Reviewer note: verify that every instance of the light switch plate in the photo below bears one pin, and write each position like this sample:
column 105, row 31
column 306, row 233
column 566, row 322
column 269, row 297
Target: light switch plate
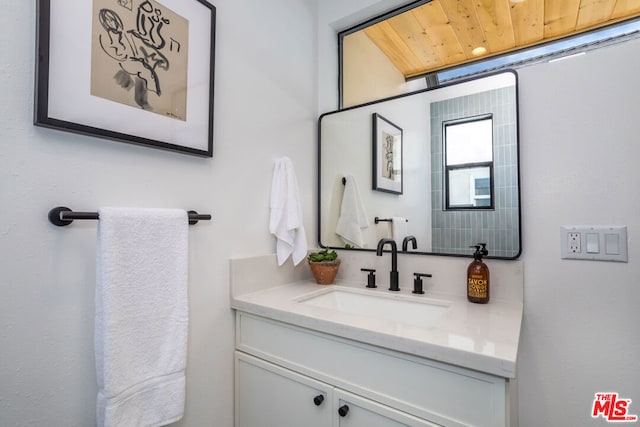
column 594, row 242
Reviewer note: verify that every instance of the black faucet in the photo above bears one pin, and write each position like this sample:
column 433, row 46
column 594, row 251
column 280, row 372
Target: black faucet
column 405, row 243
column 393, row 275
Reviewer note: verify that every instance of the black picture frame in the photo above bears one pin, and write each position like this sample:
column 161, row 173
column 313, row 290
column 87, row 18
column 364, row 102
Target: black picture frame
column 63, row 99
column 387, row 158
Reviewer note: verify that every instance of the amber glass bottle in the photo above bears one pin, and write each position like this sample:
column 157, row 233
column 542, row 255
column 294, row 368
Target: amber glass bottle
column 478, row 276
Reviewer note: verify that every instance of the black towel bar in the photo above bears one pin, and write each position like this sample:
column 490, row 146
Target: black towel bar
column 377, row 220
column 62, row 216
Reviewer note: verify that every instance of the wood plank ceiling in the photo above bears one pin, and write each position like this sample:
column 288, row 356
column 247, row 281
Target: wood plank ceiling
column 443, row 33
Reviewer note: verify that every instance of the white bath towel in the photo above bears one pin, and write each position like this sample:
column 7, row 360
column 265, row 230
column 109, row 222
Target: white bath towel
column 141, row 316
column 286, row 221
column 353, row 217
column 398, row 228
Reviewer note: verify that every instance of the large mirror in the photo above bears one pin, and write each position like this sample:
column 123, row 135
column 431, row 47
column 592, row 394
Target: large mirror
column 439, row 165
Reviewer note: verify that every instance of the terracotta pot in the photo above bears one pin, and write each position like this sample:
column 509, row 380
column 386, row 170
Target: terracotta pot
column 325, row 272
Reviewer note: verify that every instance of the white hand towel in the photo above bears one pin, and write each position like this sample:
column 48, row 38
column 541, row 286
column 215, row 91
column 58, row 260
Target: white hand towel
column 141, row 316
column 353, row 217
column 398, row 228
column 286, row 214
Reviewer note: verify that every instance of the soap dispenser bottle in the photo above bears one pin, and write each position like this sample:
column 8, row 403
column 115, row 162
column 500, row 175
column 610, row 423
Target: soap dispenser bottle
column 478, row 276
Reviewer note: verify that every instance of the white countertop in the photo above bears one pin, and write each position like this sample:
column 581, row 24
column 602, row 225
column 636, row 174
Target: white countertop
column 483, row 337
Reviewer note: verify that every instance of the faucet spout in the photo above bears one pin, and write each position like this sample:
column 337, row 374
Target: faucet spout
column 405, row 243
column 393, row 274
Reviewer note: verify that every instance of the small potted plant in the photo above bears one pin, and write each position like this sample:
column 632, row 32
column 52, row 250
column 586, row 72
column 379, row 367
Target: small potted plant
column 324, row 266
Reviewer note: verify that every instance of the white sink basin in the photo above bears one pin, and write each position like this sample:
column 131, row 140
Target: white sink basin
column 415, row 311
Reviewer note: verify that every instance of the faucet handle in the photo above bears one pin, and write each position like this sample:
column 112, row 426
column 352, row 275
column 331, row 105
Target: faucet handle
column 371, row 277
column 417, row 282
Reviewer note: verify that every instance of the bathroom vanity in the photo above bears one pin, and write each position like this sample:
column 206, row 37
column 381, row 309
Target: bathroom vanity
column 343, row 355
column 346, row 355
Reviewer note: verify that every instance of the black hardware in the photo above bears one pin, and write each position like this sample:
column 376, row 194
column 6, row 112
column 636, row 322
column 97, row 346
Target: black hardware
column 318, row 400
column 62, row 216
column 377, row 220
column 481, row 250
column 343, row 410
column 371, row 277
column 417, row 282
column 393, row 274
column 406, row 240
column 344, row 181
column 320, row 190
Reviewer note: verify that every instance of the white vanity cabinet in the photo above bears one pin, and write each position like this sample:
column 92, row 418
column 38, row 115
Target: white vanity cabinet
column 282, row 368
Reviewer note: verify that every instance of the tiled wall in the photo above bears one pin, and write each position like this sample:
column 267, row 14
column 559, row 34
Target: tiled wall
column 455, row 231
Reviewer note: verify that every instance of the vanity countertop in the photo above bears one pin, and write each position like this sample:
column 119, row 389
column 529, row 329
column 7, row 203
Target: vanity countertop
column 483, row 337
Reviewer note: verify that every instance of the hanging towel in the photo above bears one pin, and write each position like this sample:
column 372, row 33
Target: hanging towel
column 286, row 214
column 141, row 316
column 398, row 228
column 353, row 217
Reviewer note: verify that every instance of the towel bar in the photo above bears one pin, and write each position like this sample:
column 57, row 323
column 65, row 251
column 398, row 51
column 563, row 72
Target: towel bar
column 62, row 216
column 377, row 220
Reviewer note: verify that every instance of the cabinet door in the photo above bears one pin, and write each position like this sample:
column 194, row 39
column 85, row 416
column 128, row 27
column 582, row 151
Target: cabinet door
column 356, row 411
column 270, row 396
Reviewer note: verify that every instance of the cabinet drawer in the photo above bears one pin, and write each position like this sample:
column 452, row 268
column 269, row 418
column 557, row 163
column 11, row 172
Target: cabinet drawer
column 435, row 391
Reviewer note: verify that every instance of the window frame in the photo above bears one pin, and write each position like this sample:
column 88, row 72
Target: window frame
column 472, row 165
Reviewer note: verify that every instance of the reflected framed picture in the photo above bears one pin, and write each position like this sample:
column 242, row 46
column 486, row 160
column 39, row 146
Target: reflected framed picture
column 135, row 71
column 387, row 155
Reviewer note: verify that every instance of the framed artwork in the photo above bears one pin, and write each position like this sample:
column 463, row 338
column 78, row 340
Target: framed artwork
column 387, row 155
column 136, row 71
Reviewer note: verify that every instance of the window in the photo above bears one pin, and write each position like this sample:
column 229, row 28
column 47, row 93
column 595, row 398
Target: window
column 428, row 42
column 468, row 163
column 481, row 191
column 547, row 52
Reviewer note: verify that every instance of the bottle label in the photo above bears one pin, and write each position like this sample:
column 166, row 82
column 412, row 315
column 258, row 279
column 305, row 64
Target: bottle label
column 477, row 286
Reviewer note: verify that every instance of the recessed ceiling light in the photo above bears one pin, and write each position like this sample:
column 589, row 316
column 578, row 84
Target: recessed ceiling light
column 517, row 1
column 480, row 50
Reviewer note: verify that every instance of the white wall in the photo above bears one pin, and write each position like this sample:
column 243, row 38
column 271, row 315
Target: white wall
column 579, row 146
column 265, row 107
column 579, row 165
column 368, row 74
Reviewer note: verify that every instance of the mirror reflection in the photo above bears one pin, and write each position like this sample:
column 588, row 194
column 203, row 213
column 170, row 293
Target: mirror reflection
column 468, row 163
column 458, row 170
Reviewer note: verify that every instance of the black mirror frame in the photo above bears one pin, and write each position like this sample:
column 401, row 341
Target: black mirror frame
column 517, row 117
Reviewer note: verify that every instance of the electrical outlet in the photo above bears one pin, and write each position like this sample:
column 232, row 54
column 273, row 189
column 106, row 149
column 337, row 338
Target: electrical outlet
column 594, row 243
column 574, row 242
